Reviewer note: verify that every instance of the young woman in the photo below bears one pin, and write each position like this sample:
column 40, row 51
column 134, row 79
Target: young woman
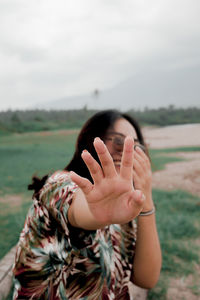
column 79, row 240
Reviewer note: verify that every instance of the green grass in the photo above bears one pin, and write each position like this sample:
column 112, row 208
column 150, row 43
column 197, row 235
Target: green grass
column 21, row 156
column 178, row 222
column 12, row 219
column 178, row 149
column 159, row 157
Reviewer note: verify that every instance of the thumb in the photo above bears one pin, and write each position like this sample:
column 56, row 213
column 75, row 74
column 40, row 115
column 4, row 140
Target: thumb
column 138, row 198
column 83, row 183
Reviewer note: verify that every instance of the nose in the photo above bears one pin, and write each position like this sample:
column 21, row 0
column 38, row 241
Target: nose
column 118, row 144
column 119, row 147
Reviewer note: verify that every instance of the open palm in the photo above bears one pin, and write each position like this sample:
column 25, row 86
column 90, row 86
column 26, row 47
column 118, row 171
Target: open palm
column 112, row 198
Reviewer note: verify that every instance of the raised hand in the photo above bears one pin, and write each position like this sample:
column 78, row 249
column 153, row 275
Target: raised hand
column 112, row 198
column 142, row 176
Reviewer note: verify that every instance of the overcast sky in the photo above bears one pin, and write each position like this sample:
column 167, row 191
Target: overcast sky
column 54, row 49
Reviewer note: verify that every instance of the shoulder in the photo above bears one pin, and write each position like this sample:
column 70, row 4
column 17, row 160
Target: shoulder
column 59, row 184
column 59, row 176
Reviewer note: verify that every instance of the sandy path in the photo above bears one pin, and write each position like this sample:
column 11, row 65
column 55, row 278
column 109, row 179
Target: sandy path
column 183, row 175
column 173, row 136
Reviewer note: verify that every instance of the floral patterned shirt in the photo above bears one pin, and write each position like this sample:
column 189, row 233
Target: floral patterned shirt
column 57, row 261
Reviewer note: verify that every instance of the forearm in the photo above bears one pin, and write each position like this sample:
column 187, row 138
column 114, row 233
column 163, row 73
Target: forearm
column 79, row 214
column 147, row 261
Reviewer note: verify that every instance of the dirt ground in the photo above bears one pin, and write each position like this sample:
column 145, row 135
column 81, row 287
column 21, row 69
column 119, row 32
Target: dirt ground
column 173, row 136
column 183, row 175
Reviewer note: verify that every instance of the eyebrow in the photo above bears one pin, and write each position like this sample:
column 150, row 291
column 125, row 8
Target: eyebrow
column 114, row 132
column 121, row 134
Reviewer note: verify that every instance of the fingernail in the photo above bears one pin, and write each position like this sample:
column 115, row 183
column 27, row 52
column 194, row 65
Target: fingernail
column 85, row 151
column 138, row 148
column 98, row 139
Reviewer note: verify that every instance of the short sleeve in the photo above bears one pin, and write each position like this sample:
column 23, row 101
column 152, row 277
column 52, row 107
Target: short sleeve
column 58, row 201
column 49, row 246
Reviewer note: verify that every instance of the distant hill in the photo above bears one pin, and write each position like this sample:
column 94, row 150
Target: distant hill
column 149, row 88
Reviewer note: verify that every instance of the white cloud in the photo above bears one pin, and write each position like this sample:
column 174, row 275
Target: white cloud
column 54, row 49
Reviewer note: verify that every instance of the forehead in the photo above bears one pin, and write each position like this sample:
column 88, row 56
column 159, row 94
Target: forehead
column 124, row 127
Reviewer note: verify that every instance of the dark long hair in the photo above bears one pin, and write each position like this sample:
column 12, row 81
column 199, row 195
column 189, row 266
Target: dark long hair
column 96, row 126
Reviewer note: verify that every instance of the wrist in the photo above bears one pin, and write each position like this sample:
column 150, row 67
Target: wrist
column 147, row 212
column 70, row 216
column 79, row 214
column 148, row 204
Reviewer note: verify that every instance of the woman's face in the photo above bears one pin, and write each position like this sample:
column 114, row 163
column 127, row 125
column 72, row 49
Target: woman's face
column 115, row 138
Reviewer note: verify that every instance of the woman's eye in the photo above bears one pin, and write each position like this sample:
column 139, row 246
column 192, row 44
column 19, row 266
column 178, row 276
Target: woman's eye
column 118, row 141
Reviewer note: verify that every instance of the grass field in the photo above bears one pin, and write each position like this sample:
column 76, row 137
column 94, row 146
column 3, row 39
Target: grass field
column 33, row 153
column 178, row 227
column 37, row 153
column 22, row 155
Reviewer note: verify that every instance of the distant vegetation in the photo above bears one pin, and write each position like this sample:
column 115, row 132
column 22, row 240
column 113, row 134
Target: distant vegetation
column 40, row 120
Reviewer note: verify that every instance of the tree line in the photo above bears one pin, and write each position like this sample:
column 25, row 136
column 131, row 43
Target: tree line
column 20, row 121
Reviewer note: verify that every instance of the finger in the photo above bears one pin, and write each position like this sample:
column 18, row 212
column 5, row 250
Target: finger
column 126, row 169
column 105, row 158
column 142, row 154
column 142, row 147
column 85, row 185
column 136, row 180
column 142, row 158
column 138, row 198
column 93, row 166
column 138, row 167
